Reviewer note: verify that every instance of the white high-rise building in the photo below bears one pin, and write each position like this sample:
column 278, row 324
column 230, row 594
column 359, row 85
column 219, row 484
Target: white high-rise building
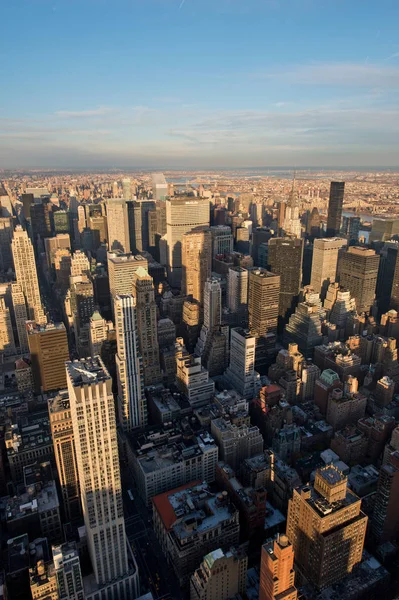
column 159, row 186
column 127, row 188
column 25, row 270
column 324, row 263
column 241, row 372
column 67, row 572
column 132, row 404
column 237, row 291
column 212, row 303
column 21, row 316
column 118, row 225
column 94, row 430
column 182, row 215
column 292, row 222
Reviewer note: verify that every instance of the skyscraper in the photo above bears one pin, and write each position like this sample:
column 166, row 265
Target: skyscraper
column 385, row 519
column 5, row 242
column 263, row 307
column 394, row 303
column 146, row 323
column 358, row 273
column 132, row 404
column 182, row 215
column 7, row 343
column 65, row 453
column 48, row 347
column 285, row 259
column 292, row 222
column 127, row 188
column 212, row 303
column 94, row 429
column 118, row 225
column 196, row 262
column 159, row 186
column 277, row 573
column 121, row 270
column 21, row 316
column 241, row 372
column 325, row 261
column 326, row 528
column 335, row 204
column 237, row 291
column 25, row 270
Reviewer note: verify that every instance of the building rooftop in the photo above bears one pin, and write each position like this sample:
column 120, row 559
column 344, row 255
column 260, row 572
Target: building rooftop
column 87, row 371
column 197, row 510
column 31, row 431
column 36, row 498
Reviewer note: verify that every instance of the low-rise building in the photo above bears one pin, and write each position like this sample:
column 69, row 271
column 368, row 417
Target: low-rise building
column 236, row 443
column 190, row 522
column 220, row 576
column 167, row 458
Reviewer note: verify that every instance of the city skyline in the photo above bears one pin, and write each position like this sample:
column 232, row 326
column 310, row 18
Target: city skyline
column 200, row 84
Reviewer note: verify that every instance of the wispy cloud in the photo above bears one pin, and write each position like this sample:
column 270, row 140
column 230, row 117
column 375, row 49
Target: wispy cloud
column 336, row 74
column 100, row 111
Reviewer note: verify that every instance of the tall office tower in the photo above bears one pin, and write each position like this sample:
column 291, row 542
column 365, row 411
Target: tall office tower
column 263, row 308
column 21, row 316
column 41, row 219
column 326, row 527
column 121, row 270
column 67, row 572
column 196, row 263
column 385, row 519
column 304, row 328
column 394, row 302
column 61, row 221
column 241, row 372
column 80, row 264
column 324, row 263
column 98, row 333
column 285, row 259
column 292, row 222
column 82, row 222
column 6, row 228
column 277, row 573
column 282, row 207
column 313, row 224
column 7, row 342
column 127, row 188
column 138, row 223
column 48, row 347
column 182, row 215
column 256, row 211
column 97, row 224
column 220, row 576
column 132, row 406
column 388, row 257
column 358, row 273
column 65, row 453
column 94, row 430
column 118, row 225
column 260, row 235
column 146, row 323
column 384, row 229
column 25, row 271
column 159, row 186
column 52, row 244
column 335, row 204
column 237, row 291
column 350, row 228
column 222, row 239
column 212, row 304
column 115, row 189
column 62, row 268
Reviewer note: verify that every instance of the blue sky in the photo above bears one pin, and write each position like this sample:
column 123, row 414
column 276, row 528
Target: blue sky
column 199, row 83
